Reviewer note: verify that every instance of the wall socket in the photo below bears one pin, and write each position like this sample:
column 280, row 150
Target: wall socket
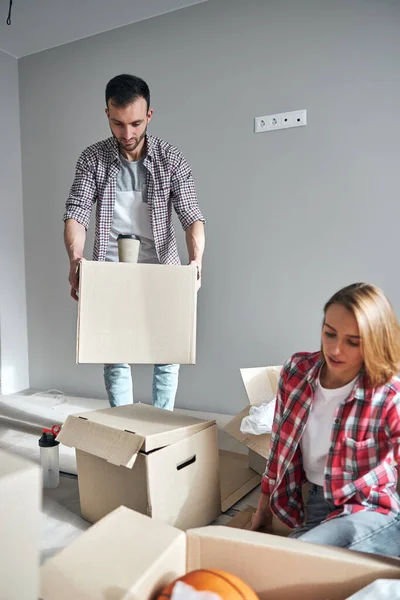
column 296, row 118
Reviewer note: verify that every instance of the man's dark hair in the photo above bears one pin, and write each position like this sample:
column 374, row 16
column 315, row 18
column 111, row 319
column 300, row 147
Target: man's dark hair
column 125, row 89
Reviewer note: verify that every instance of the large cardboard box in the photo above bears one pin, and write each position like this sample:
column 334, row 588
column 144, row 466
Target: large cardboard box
column 261, row 385
column 128, row 556
column 20, row 503
column 158, row 462
column 136, row 313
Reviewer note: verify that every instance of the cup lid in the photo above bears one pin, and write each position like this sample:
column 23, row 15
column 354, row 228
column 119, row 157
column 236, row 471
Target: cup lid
column 128, row 236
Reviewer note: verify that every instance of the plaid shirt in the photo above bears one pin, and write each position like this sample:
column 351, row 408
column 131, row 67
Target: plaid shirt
column 169, row 183
column 360, row 471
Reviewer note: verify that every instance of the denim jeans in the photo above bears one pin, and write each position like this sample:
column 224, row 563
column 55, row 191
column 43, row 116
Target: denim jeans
column 118, row 381
column 365, row 531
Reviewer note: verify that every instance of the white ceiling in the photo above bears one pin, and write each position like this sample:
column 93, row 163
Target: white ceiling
column 41, row 24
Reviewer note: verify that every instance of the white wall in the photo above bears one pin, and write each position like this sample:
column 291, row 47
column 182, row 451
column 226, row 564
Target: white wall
column 291, row 216
column 14, row 372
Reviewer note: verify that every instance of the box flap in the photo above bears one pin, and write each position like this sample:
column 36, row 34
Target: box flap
column 289, row 568
column 117, row 447
column 117, row 434
column 236, row 479
column 125, row 555
column 260, row 384
column 242, row 520
column 258, row 443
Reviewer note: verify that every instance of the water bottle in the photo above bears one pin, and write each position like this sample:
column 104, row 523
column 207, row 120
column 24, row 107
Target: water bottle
column 49, row 457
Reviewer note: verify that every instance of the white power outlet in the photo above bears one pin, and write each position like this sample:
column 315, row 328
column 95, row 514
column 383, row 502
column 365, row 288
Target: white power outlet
column 297, row 118
column 268, row 123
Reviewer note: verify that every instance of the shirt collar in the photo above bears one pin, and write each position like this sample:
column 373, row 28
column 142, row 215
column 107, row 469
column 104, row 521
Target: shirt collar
column 149, row 148
column 313, row 373
column 359, row 387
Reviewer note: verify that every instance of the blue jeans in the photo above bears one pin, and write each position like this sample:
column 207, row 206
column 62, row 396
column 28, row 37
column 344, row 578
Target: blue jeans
column 365, row 531
column 118, row 381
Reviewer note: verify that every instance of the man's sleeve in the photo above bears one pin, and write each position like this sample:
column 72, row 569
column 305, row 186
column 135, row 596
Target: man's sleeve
column 83, row 192
column 183, row 195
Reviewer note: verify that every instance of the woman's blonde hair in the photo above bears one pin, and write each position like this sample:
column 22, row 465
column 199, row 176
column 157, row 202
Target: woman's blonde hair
column 379, row 329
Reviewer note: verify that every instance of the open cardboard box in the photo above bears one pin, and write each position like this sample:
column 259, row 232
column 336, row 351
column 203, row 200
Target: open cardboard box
column 136, row 313
column 157, row 462
column 243, row 521
column 20, row 520
column 236, row 479
column 261, row 385
column 128, row 556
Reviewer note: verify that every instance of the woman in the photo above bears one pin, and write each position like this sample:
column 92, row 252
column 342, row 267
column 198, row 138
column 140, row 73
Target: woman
column 337, row 426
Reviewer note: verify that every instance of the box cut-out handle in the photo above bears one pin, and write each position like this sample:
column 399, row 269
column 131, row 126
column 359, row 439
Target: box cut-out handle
column 186, row 463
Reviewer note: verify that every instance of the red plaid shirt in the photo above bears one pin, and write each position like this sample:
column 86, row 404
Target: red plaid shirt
column 169, row 183
column 360, row 471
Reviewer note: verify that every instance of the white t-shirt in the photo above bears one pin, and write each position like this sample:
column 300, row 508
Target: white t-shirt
column 316, row 438
column 131, row 211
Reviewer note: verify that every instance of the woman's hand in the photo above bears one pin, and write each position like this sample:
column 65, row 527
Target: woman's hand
column 262, row 518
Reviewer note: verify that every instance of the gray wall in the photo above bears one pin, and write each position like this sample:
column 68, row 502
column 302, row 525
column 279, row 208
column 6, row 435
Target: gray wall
column 292, row 215
column 14, row 372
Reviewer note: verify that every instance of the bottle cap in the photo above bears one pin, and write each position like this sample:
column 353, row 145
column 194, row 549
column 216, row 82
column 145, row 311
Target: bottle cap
column 48, row 438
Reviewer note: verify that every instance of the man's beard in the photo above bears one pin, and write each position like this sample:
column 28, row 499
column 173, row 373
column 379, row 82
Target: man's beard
column 141, row 138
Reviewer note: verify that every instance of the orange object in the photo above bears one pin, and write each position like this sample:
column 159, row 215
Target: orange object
column 228, row 586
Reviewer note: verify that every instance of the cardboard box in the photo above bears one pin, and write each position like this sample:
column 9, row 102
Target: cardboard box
column 158, row 462
column 381, row 589
column 257, row 462
column 20, row 504
column 128, row 556
column 237, row 480
column 243, row 521
column 260, row 384
column 136, row 313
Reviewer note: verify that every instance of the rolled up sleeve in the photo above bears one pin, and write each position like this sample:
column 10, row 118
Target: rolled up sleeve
column 269, row 478
column 83, row 193
column 183, row 195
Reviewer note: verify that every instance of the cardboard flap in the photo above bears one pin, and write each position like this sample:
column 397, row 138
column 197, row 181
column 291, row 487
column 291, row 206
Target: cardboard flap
column 146, row 555
column 117, row 447
column 294, row 547
column 258, row 443
column 236, row 479
column 261, row 384
column 289, row 568
column 131, row 428
column 242, row 520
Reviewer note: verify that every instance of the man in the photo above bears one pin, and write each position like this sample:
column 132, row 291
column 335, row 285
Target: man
column 135, row 179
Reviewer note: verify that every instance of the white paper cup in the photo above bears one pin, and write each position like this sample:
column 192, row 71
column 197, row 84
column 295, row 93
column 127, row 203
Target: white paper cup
column 128, row 248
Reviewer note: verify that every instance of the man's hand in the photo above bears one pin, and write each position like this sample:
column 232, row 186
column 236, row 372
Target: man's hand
column 195, row 244
column 74, row 276
column 262, row 518
column 198, row 265
column 74, row 239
